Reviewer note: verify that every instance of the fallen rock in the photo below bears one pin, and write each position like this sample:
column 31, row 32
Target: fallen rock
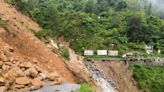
column 3, row 57
column 1, row 63
column 26, row 65
column 8, row 49
column 19, row 86
column 52, row 76
column 8, row 63
column 32, row 88
column 42, row 76
column 57, row 90
column 58, row 81
column 36, row 82
column 22, row 80
column 2, row 81
column 31, row 72
column 38, row 69
column 13, row 73
column 5, row 67
column 2, row 88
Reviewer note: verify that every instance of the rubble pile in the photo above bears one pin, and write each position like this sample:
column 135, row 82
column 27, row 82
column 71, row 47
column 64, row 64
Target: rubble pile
column 18, row 74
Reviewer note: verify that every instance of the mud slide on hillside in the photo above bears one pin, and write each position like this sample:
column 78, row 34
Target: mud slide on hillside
column 116, row 73
column 19, row 36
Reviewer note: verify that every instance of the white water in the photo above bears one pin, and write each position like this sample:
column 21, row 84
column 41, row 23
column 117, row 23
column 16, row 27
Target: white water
column 103, row 84
column 100, row 81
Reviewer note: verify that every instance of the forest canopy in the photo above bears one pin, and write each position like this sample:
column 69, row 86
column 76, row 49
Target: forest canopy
column 96, row 24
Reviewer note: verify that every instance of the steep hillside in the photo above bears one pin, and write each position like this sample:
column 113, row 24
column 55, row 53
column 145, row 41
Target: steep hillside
column 17, row 34
column 116, row 73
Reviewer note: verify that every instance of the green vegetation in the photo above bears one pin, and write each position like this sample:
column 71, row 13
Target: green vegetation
column 85, row 88
column 149, row 78
column 3, row 24
column 96, row 24
column 64, row 52
column 102, row 24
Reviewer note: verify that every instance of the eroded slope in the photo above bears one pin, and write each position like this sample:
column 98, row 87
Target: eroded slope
column 18, row 35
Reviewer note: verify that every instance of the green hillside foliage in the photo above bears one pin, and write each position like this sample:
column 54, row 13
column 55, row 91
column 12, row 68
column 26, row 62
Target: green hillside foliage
column 102, row 24
column 149, row 78
column 96, row 24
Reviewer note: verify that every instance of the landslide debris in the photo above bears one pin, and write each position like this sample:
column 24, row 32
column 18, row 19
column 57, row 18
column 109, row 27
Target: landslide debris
column 25, row 61
column 17, row 73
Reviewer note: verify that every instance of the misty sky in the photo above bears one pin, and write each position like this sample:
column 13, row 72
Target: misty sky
column 157, row 6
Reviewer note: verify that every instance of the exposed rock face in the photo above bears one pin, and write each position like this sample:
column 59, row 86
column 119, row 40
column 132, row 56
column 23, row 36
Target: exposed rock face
column 116, row 73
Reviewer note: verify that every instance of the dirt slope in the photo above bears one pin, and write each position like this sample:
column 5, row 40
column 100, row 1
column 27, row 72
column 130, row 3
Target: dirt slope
column 26, row 45
column 119, row 73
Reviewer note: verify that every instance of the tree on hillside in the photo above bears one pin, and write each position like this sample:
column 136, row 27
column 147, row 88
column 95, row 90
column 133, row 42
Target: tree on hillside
column 90, row 6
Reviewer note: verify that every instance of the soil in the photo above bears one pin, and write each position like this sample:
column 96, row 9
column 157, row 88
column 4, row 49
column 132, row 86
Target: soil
column 117, row 71
column 19, row 36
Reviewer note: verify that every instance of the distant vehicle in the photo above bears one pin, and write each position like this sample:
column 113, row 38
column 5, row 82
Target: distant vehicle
column 133, row 56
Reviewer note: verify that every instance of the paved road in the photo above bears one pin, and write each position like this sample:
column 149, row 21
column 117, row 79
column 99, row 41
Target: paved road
column 65, row 87
column 105, row 59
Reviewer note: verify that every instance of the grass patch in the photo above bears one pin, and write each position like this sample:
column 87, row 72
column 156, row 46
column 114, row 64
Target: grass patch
column 3, row 24
column 64, row 52
column 85, row 88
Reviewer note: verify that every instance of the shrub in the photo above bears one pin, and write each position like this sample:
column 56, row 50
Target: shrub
column 149, row 78
column 64, row 52
column 85, row 88
column 3, row 24
column 43, row 33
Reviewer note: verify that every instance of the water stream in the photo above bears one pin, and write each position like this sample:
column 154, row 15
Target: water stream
column 98, row 76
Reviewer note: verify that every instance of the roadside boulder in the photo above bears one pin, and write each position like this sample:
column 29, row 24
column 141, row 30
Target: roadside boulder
column 32, row 72
column 2, row 81
column 58, row 80
column 3, row 57
column 22, row 80
column 52, row 76
column 18, row 86
column 36, row 82
column 5, row 67
column 25, row 65
column 42, row 76
column 13, row 73
column 2, row 89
